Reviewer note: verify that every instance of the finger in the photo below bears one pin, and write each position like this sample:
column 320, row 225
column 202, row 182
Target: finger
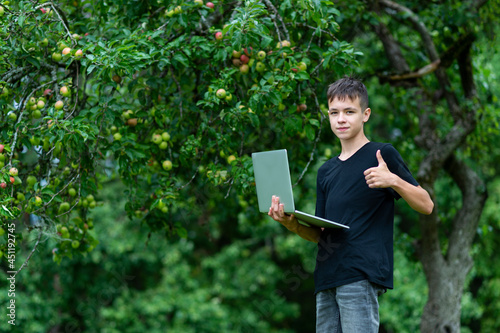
column 368, row 171
column 282, row 209
column 274, row 205
column 379, row 158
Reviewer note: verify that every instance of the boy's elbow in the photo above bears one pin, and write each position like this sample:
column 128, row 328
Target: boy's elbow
column 429, row 207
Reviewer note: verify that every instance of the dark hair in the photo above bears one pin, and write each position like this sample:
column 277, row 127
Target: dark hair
column 348, row 87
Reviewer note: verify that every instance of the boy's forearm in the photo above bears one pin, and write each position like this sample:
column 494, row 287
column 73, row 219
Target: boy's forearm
column 416, row 196
column 311, row 234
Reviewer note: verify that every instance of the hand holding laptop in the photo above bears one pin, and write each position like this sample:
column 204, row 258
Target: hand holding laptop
column 272, row 178
column 277, row 213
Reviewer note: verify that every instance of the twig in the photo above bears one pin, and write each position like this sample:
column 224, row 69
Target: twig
column 285, row 30
column 64, row 24
column 31, row 254
column 315, row 142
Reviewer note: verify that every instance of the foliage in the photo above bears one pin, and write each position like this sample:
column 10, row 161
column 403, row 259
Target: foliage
column 181, row 245
column 141, row 103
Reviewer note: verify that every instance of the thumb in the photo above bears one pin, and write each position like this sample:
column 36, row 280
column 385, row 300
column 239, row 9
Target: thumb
column 379, row 158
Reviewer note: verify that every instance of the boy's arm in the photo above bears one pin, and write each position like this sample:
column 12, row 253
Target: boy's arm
column 277, row 212
column 416, row 196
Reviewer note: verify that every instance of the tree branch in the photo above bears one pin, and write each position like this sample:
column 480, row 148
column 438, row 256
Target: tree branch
column 428, row 44
column 417, row 24
column 392, row 49
column 31, row 253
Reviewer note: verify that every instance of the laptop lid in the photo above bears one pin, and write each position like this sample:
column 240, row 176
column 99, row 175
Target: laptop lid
column 272, row 177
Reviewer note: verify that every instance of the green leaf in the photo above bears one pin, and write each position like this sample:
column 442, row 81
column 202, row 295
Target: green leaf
column 33, row 61
column 310, row 133
column 274, row 97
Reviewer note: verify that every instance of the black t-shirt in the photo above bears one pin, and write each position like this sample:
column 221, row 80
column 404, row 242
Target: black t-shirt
column 365, row 251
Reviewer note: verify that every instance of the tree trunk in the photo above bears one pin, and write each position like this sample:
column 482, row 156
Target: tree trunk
column 445, row 269
column 446, row 275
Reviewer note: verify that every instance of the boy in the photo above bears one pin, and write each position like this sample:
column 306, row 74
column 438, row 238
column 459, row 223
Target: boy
column 357, row 188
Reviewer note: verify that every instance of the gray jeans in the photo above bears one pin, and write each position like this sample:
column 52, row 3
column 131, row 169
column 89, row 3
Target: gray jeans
column 352, row 308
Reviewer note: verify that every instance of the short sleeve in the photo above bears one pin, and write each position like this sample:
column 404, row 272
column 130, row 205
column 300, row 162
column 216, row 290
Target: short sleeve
column 397, row 166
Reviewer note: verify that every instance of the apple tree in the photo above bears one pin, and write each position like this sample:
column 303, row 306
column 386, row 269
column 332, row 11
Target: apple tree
column 170, row 96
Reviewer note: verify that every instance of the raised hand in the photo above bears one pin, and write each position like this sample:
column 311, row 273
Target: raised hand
column 379, row 176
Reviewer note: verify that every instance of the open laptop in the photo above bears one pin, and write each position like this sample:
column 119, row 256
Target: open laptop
column 272, row 177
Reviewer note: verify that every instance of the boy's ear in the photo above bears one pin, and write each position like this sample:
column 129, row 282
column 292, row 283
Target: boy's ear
column 366, row 114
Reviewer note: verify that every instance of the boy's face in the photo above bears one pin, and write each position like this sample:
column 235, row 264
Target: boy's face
column 347, row 118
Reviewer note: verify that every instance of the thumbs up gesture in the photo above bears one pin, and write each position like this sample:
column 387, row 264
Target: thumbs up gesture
column 380, row 176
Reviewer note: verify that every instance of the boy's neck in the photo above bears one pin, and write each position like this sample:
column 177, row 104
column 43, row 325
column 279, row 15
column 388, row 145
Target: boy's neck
column 350, row 147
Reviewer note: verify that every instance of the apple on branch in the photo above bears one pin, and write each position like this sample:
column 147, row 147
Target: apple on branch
column 244, row 69
column 244, row 59
column 167, row 165
column 78, row 54
column 221, row 93
column 236, row 54
column 59, row 105
column 65, row 91
column 66, row 51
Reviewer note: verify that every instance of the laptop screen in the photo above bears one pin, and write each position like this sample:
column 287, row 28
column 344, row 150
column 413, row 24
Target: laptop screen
column 272, row 177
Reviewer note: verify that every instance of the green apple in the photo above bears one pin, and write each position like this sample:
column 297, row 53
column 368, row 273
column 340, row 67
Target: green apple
column 117, row 136
column 31, row 180
column 75, row 244
column 13, row 172
column 56, row 56
column 61, row 46
column 40, row 105
column 128, row 114
column 37, row 114
column 71, row 192
column 165, row 136
column 236, row 54
column 260, row 67
column 161, row 204
column 221, row 93
column 64, row 207
column 38, row 201
column 157, row 138
column 163, row 145
column 65, row 91
column 229, row 97
column 78, row 54
column 167, row 165
column 244, row 69
column 302, row 66
column 59, row 105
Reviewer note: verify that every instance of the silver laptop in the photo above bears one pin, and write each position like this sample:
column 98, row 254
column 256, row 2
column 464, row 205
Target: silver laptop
column 272, row 177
